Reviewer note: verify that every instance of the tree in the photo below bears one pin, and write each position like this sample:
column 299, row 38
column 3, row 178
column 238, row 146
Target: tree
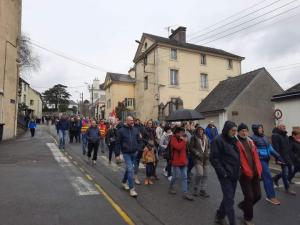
column 27, row 59
column 57, row 95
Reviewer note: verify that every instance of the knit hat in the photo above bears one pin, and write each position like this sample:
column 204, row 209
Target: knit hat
column 242, row 126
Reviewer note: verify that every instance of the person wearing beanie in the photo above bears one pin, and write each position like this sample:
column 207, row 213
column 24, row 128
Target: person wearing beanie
column 225, row 158
column 251, row 170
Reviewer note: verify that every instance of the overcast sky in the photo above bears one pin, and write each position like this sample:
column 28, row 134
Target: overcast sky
column 103, row 33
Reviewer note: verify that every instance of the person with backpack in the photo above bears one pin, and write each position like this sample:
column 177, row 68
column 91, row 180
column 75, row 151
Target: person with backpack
column 265, row 151
column 32, row 126
column 93, row 137
column 179, row 162
column 199, row 149
column 165, row 150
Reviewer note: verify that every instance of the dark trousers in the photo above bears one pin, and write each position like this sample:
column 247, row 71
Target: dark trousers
column 286, row 172
column 111, row 149
column 226, row 208
column 93, row 147
column 295, row 170
column 168, row 168
column 137, row 162
column 32, row 131
column 72, row 135
column 150, row 170
column 252, row 194
column 190, row 165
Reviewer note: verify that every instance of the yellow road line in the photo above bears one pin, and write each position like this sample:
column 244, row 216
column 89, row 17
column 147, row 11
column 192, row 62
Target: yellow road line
column 89, row 177
column 120, row 211
column 54, row 140
column 75, row 162
column 70, row 157
column 82, row 170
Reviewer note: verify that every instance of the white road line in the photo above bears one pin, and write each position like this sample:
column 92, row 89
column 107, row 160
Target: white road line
column 81, row 186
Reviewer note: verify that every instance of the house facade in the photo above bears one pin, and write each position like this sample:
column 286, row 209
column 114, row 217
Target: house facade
column 10, row 29
column 119, row 88
column 171, row 73
column 287, row 106
column 244, row 98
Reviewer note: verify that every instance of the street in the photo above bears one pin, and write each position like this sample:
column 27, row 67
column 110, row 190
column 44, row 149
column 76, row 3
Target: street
column 42, row 185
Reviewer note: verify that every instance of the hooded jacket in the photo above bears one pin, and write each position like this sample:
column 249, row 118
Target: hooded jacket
column 280, row 142
column 224, row 155
column 178, row 151
column 128, row 140
column 199, row 155
column 264, row 148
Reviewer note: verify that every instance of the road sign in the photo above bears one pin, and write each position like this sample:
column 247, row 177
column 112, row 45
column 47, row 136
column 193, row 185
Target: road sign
column 277, row 114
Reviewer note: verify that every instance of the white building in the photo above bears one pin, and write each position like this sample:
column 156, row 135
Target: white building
column 96, row 91
column 287, row 107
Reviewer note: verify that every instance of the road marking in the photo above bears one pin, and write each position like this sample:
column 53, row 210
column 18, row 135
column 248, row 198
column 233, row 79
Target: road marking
column 89, row 177
column 82, row 170
column 119, row 210
column 75, row 162
column 80, row 185
column 70, row 157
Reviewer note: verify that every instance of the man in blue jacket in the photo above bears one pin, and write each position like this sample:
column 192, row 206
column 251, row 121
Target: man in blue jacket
column 128, row 142
column 63, row 127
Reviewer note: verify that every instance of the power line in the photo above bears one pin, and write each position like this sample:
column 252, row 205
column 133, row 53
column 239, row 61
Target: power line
column 225, row 19
column 252, row 25
column 253, row 12
column 238, row 25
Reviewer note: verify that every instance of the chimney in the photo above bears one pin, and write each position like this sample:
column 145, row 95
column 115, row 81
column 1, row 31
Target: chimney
column 179, row 35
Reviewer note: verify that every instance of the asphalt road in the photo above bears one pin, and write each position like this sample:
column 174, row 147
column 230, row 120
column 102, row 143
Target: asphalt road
column 36, row 189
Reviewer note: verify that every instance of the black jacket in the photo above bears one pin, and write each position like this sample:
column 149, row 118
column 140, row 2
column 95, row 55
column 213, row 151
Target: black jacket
column 294, row 151
column 128, row 140
column 280, row 142
column 224, row 155
column 111, row 137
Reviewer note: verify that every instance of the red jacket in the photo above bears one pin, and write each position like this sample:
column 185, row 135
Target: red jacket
column 103, row 130
column 178, row 152
column 246, row 170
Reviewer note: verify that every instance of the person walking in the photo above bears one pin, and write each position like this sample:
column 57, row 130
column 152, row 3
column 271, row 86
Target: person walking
column 179, row 162
column 265, row 151
column 149, row 159
column 165, row 149
column 211, row 131
column 103, row 133
column 128, row 142
column 93, row 137
column 199, row 150
column 251, row 170
column 63, row 127
column 32, row 126
column 83, row 130
column 280, row 142
column 73, row 130
column 295, row 151
column 225, row 158
column 111, row 142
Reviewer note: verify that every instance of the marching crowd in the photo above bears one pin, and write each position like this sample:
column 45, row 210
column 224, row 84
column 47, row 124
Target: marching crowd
column 236, row 156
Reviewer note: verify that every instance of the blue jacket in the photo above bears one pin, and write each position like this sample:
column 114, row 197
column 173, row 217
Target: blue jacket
column 211, row 133
column 93, row 135
column 32, row 124
column 63, row 124
column 128, row 140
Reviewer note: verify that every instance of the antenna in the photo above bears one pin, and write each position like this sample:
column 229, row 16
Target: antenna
column 168, row 28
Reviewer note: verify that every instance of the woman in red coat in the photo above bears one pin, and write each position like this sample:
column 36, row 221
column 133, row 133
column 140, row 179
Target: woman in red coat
column 178, row 148
column 251, row 172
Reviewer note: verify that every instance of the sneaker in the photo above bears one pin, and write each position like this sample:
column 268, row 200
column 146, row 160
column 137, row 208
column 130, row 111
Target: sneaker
column 133, row 193
column 146, row 182
column 291, row 192
column 137, row 181
column 170, row 178
column 165, row 173
column 172, row 191
column 204, row 194
column 220, row 221
column 274, row 201
column 94, row 162
column 125, row 186
column 188, row 197
column 150, row 181
column 246, row 222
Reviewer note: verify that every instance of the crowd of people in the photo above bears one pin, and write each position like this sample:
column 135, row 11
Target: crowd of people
column 184, row 147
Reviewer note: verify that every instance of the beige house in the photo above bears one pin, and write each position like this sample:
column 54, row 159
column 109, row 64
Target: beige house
column 119, row 88
column 10, row 28
column 30, row 98
column 171, row 73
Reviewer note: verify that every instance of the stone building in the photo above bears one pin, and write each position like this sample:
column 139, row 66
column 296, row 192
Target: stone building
column 10, row 29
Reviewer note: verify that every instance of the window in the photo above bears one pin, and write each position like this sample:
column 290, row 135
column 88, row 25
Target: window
column 145, row 45
column 203, row 59
column 174, row 77
column 146, row 82
column 25, row 87
column 229, row 63
column 31, row 102
column 146, row 60
column 129, row 102
column 108, row 103
column 174, row 54
column 24, row 99
column 203, row 81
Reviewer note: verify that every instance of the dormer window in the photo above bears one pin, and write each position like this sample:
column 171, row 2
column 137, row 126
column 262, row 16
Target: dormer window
column 145, row 45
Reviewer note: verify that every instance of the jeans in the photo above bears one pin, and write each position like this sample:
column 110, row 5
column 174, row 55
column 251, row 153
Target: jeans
column 285, row 174
column 182, row 170
column 84, row 143
column 168, row 168
column 111, row 149
column 294, row 171
column 226, row 208
column 201, row 176
column 252, row 194
column 93, row 147
column 267, row 179
column 102, row 145
column 62, row 138
column 137, row 162
column 129, row 159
